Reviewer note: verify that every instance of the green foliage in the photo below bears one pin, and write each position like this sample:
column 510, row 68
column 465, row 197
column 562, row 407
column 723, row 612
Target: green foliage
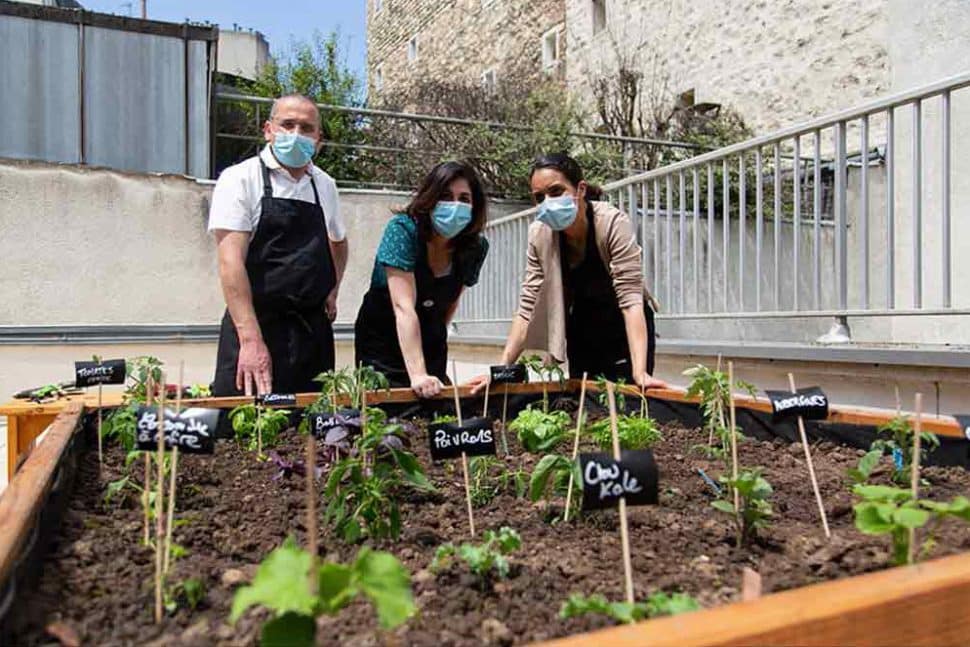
column 556, row 469
column 486, row 559
column 255, row 424
column 658, row 604
column 346, row 382
column 899, row 434
column 634, row 432
column 489, row 477
column 548, row 371
column 540, row 431
column 887, row 510
column 282, row 584
column 122, row 425
column 362, row 486
column 199, row 391
column 139, row 369
column 755, row 511
column 712, row 387
column 187, row 594
column 868, row 463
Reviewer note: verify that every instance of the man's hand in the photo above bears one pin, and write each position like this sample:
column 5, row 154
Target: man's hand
column 426, row 386
column 646, row 381
column 478, row 383
column 255, row 368
column 331, row 306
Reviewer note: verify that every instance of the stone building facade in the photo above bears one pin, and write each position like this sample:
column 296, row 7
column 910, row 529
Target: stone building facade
column 485, row 41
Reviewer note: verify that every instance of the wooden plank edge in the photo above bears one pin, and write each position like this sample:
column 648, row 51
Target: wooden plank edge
column 907, row 606
column 21, row 501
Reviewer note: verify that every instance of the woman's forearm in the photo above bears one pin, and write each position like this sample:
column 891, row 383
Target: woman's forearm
column 409, row 337
column 516, row 340
column 636, row 336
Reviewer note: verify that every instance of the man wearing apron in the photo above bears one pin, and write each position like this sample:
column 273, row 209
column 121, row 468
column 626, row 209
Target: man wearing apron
column 282, row 254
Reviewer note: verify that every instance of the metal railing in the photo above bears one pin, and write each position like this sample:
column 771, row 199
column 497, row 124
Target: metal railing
column 790, row 223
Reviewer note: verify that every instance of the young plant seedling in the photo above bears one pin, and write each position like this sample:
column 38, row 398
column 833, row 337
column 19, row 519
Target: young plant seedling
column 258, row 427
column 658, row 604
column 490, row 477
column 560, row 472
column 635, row 432
column 486, row 560
column 754, row 510
column 899, row 444
column 282, row 584
column 714, row 390
column 547, row 372
column 540, row 431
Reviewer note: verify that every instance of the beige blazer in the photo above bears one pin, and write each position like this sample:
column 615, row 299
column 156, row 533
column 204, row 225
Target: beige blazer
column 542, row 303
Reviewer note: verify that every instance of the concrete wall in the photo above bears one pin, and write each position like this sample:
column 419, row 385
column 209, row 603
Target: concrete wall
column 242, row 53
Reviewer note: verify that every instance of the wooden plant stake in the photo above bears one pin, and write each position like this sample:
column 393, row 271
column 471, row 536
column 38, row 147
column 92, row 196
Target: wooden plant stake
column 464, row 456
column 485, row 406
column 171, row 488
column 624, row 530
column 917, row 431
column 259, row 429
column 160, row 502
column 147, row 484
column 750, row 584
column 311, row 508
column 505, row 409
column 734, row 439
column 579, row 422
column 100, row 442
column 720, row 409
column 811, row 466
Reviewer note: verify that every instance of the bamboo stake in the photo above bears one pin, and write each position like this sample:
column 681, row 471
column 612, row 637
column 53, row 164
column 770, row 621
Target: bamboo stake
column 100, row 442
column 464, row 456
column 734, row 438
column 485, row 406
column 720, row 409
column 259, row 429
column 311, row 508
column 171, row 488
column 160, row 502
column 505, row 408
column 624, row 529
column 811, row 466
column 917, row 431
column 147, row 484
column 579, row 422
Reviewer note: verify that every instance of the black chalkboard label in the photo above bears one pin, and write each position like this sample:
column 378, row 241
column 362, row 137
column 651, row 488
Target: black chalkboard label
column 509, row 374
column 192, row 430
column 475, row 437
column 334, row 427
column 111, row 371
column 964, row 420
column 277, row 400
column 809, row 403
column 605, row 480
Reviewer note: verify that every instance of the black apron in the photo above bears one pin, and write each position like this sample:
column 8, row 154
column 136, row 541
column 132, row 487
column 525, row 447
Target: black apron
column 375, row 332
column 596, row 341
column 291, row 273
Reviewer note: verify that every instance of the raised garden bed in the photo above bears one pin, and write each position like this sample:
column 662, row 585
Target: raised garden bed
column 97, row 580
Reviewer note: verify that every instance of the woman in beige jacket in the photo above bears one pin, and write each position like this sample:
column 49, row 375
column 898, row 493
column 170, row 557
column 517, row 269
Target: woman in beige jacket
column 583, row 298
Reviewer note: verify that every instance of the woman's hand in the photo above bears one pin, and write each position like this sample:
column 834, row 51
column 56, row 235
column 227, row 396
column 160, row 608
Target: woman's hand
column 478, row 383
column 646, row 381
column 426, row 386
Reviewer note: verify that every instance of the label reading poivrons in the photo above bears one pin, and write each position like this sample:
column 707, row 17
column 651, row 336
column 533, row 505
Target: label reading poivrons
column 605, row 480
column 509, row 374
column 192, row 430
column 110, row 371
column 277, row 400
column 449, row 440
column 964, row 420
column 809, row 403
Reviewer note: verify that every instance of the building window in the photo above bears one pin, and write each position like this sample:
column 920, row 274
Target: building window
column 413, row 49
column 379, row 78
column 599, row 16
column 489, row 81
column 550, row 49
column 378, row 5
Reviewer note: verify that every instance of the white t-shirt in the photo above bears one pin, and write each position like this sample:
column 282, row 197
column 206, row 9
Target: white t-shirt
column 237, row 196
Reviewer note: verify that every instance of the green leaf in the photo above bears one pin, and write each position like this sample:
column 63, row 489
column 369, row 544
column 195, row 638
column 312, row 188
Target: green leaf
column 384, row 580
column 663, row 604
column 281, row 584
column 289, row 630
column 723, row 506
column 334, row 587
column 412, row 470
column 911, row 517
column 882, row 493
column 543, row 471
column 869, row 521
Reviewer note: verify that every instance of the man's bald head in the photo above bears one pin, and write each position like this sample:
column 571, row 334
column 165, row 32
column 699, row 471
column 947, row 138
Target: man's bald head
column 294, row 100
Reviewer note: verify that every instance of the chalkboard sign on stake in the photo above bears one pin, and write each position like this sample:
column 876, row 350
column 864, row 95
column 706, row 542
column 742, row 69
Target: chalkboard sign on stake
column 472, row 437
column 633, row 478
column 147, row 483
column 506, row 374
column 95, row 372
column 171, row 488
column 277, row 399
column 624, row 529
column 809, row 403
column 464, row 456
column 808, row 459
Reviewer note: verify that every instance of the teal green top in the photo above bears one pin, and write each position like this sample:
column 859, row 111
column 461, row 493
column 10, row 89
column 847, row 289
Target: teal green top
column 399, row 248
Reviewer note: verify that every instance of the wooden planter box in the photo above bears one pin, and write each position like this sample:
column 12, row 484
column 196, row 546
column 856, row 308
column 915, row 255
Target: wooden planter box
column 923, row 604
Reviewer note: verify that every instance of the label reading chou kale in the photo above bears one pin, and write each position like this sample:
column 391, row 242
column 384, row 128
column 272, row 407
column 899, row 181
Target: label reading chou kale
column 605, row 481
column 509, row 374
column 809, row 403
column 192, row 430
column 111, row 371
column 474, row 437
column 277, row 400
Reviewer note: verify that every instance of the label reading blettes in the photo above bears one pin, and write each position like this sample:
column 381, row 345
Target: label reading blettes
column 192, row 430
column 605, row 481
column 448, row 440
column 277, row 400
column 809, row 403
column 964, row 420
column 331, row 427
column 509, row 374
column 111, row 371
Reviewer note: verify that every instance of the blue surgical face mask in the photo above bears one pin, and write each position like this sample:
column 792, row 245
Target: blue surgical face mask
column 449, row 218
column 558, row 212
column 293, row 150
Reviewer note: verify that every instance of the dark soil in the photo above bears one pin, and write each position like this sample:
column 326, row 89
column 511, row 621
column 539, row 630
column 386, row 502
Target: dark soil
column 98, row 578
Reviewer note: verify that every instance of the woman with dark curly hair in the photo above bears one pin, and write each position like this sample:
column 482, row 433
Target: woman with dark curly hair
column 427, row 256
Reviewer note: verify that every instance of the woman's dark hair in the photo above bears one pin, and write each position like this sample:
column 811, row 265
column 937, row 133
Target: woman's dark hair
column 434, row 186
column 568, row 167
